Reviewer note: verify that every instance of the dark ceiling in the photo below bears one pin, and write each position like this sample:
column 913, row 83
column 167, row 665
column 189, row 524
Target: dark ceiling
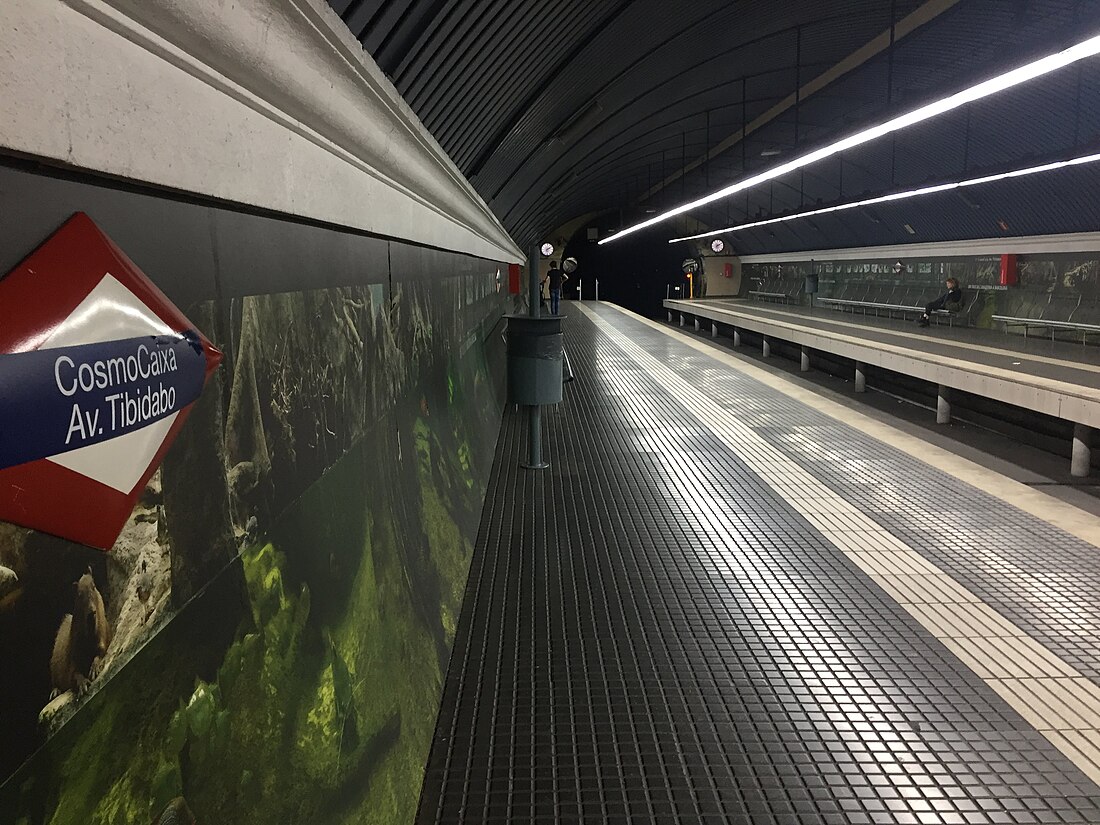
column 562, row 108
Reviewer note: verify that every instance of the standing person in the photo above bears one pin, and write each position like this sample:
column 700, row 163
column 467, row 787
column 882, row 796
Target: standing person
column 556, row 278
column 950, row 300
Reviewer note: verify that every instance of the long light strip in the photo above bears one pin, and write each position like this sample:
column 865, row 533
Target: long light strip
column 1038, row 68
column 897, row 196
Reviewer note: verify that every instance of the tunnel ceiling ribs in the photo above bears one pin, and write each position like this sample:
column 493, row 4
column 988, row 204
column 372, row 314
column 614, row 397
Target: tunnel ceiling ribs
column 566, row 107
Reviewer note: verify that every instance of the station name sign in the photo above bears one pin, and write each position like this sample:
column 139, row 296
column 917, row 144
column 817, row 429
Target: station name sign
column 98, row 370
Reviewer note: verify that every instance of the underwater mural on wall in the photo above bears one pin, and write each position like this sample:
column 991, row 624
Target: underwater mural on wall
column 267, row 639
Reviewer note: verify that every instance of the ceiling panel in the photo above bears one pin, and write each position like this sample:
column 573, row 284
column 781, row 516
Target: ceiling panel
column 568, row 107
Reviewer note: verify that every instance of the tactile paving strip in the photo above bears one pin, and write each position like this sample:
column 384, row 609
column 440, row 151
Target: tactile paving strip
column 652, row 635
column 1044, row 580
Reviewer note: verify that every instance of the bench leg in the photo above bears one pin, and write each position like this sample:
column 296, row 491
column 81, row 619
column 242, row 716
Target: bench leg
column 737, row 337
column 943, row 405
column 805, row 359
column 861, row 377
column 713, row 329
column 1081, row 461
column 767, row 347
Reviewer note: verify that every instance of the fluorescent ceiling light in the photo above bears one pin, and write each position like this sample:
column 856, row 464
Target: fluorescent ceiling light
column 1038, row 68
column 898, row 196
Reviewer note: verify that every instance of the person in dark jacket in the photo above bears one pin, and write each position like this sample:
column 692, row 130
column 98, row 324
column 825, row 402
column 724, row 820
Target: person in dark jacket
column 556, row 278
column 950, row 300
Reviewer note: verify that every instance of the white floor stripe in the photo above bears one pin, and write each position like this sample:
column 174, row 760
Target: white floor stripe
column 1043, row 689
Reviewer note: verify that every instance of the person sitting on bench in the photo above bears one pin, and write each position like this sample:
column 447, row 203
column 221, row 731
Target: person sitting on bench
column 950, row 301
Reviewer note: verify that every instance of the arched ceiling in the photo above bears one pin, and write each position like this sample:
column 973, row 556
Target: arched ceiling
column 561, row 108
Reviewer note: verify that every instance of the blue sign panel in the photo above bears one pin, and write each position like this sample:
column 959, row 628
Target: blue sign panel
column 56, row 400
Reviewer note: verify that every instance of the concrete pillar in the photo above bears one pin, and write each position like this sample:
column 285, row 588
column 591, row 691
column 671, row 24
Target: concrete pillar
column 767, row 347
column 737, row 337
column 943, row 405
column 696, row 323
column 861, row 377
column 682, row 319
column 805, row 359
column 1081, row 462
column 670, row 316
column 713, row 330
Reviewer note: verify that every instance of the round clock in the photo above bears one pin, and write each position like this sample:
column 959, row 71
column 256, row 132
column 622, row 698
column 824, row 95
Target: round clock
column 547, row 249
column 717, row 245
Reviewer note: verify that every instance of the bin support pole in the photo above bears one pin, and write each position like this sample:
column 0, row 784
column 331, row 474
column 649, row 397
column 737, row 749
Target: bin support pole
column 533, row 281
column 534, row 412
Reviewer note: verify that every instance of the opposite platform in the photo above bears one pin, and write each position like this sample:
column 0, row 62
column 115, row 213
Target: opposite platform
column 727, row 601
column 1054, row 378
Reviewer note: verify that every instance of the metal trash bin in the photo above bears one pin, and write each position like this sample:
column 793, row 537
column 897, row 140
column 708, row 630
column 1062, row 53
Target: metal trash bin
column 535, row 360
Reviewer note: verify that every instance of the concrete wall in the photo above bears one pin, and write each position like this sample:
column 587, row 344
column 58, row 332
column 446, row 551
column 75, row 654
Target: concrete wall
column 717, row 284
column 306, row 541
column 304, row 548
column 267, row 103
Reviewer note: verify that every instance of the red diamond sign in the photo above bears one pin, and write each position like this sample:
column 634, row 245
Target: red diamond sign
column 98, row 370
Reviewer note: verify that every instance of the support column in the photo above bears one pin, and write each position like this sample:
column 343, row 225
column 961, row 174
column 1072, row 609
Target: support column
column 861, row 377
column 696, row 323
column 737, row 337
column 943, row 405
column 1081, row 462
column 713, row 329
column 805, row 359
column 670, row 316
column 767, row 347
column 683, row 320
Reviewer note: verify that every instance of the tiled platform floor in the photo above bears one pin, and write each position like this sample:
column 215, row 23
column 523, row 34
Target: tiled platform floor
column 682, row 620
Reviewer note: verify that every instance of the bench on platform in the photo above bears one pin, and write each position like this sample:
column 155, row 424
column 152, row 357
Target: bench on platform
column 1053, row 312
column 771, row 296
column 1084, row 329
column 783, row 290
column 905, row 309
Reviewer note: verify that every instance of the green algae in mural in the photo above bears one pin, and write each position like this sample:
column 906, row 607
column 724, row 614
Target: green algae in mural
column 301, row 682
column 303, row 720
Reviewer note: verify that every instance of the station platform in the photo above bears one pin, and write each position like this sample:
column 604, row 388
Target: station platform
column 1055, row 378
column 731, row 599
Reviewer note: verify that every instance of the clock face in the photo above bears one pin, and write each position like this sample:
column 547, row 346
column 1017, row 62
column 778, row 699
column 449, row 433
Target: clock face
column 717, row 245
column 547, row 249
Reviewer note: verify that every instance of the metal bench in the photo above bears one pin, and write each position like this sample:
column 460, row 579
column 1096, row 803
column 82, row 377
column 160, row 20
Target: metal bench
column 771, row 296
column 843, row 303
column 1053, row 326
